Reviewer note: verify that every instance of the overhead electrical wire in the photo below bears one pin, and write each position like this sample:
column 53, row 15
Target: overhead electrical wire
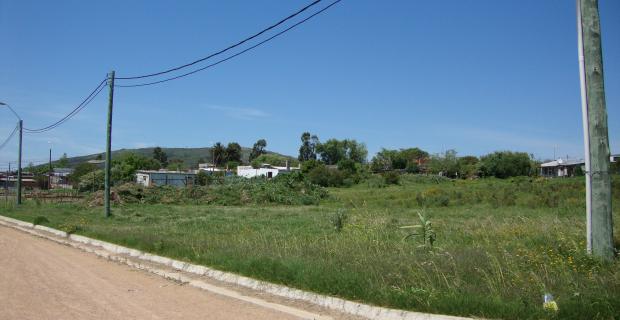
column 233, row 56
column 75, row 111
column 6, row 141
column 227, row 48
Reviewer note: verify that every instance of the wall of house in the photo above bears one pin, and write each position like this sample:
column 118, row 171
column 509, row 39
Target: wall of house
column 171, row 179
column 249, row 172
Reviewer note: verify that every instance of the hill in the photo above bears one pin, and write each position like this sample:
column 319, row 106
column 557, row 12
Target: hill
column 190, row 156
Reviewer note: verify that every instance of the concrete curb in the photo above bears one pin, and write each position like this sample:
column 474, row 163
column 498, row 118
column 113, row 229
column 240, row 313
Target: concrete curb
column 108, row 250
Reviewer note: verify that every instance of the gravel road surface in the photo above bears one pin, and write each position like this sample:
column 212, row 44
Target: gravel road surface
column 40, row 279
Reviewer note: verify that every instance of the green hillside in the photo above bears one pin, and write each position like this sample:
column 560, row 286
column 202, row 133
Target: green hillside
column 190, row 156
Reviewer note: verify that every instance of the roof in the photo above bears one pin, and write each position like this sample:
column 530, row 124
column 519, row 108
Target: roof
column 562, row 162
column 63, row 170
column 164, row 172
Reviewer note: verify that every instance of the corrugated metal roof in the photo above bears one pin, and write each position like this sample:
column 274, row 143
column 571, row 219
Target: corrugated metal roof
column 562, row 162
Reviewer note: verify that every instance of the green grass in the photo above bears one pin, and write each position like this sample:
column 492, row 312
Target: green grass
column 501, row 244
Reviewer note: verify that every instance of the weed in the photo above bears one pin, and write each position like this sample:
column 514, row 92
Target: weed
column 424, row 230
column 40, row 220
column 339, row 219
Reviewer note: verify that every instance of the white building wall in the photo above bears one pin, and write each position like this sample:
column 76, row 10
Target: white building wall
column 250, row 172
column 143, row 179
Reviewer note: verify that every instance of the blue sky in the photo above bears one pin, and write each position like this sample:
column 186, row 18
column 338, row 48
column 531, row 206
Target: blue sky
column 475, row 76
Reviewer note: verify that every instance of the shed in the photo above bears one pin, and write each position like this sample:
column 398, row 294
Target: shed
column 150, row 178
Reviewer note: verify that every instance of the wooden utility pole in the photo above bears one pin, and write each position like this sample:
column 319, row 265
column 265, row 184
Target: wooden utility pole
column 49, row 172
column 19, row 164
column 596, row 137
column 108, row 154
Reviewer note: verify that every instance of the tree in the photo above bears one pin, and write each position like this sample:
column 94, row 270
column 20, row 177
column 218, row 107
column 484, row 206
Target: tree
column 161, row 156
column 445, row 164
column 80, row 170
column 176, row 165
column 468, row 166
column 63, row 162
column 505, row 164
column 356, row 151
column 92, row 181
column 233, row 152
column 219, row 154
column 382, row 161
column 125, row 166
column 258, row 149
column 334, row 150
column 401, row 159
column 309, row 143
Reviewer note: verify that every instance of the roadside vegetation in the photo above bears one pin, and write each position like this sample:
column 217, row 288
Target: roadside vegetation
column 441, row 233
column 486, row 247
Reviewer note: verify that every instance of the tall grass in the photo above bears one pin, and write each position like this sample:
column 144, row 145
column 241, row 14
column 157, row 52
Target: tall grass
column 500, row 245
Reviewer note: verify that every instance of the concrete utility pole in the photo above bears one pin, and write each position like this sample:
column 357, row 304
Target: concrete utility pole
column 596, row 137
column 108, row 154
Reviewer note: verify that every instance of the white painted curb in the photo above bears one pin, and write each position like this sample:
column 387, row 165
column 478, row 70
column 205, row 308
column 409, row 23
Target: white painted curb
column 337, row 304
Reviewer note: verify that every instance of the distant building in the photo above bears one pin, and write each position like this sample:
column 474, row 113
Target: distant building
column 10, row 180
column 150, row 178
column 208, row 167
column 561, row 168
column 567, row 167
column 265, row 170
column 59, row 178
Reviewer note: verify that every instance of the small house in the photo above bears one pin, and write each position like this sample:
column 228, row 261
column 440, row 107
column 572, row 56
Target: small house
column 59, row 178
column 9, row 181
column 561, row 168
column 265, row 170
column 150, row 178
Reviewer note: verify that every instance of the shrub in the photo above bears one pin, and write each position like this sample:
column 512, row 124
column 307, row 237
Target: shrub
column 338, row 219
column 391, row 177
column 433, row 197
column 92, row 181
column 202, row 178
column 322, row 176
column 288, row 189
column 505, row 164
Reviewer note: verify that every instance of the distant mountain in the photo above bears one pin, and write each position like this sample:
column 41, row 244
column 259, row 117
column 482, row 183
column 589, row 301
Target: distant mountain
column 190, row 156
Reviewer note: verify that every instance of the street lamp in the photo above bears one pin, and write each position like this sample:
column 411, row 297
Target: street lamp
column 19, row 156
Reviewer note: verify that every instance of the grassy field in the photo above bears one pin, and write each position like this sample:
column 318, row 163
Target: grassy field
column 500, row 245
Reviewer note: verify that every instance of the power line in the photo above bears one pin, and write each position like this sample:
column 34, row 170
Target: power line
column 235, row 55
column 75, row 111
column 227, row 48
column 9, row 137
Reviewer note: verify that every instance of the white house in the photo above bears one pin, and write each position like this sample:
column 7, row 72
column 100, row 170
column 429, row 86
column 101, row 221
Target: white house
column 265, row 170
column 567, row 167
column 208, row 167
column 560, row 168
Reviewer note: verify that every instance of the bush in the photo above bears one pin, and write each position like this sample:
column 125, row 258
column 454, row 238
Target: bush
column 322, row 176
column 92, row 181
column 391, row 177
column 338, row 220
column 505, row 164
column 433, row 197
column 290, row 189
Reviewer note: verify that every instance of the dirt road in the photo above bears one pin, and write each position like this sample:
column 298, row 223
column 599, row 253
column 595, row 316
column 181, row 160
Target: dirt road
column 40, row 279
